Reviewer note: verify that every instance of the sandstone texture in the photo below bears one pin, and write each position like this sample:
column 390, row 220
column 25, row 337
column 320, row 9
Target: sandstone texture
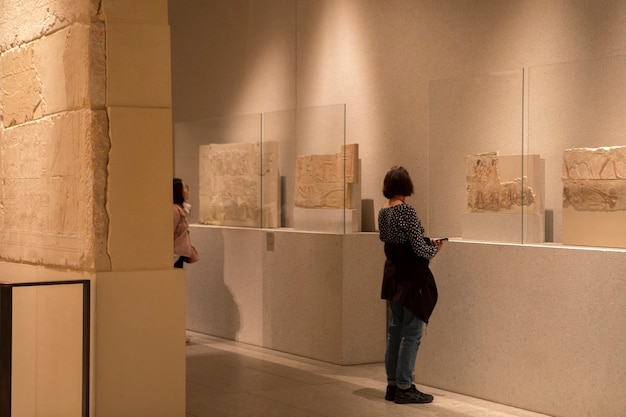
column 54, row 141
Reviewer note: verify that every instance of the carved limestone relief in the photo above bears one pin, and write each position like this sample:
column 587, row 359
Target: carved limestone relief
column 486, row 191
column 51, row 209
column 239, row 186
column 594, row 179
column 326, row 181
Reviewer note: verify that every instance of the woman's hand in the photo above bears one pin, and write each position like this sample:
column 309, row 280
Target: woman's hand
column 436, row 242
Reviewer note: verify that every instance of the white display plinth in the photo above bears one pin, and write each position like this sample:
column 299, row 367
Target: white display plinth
column 315, row 295
column 327, row 220
column 504, row 227
column 569, row 305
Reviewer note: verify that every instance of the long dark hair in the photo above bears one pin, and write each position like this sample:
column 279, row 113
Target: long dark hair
column 178, row 191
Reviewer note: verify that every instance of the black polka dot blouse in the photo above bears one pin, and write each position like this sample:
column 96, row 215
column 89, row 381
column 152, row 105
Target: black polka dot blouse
column 400, row 224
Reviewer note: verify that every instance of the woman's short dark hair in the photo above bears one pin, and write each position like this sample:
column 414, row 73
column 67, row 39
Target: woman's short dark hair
column 178, row 191
column 397, row 182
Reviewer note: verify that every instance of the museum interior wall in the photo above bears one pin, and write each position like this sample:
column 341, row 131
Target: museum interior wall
column 528, row 312
column 85, row 159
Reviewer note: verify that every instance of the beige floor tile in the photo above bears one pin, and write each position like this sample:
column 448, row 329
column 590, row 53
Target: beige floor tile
column 230, row 379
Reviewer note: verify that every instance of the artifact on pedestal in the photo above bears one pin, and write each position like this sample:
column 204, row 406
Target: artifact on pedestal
column 239, row 184
column 594, row 196
column 485, row 190
column 328, row 193
column 504, row 198
column 594, row 179
column 326, row 181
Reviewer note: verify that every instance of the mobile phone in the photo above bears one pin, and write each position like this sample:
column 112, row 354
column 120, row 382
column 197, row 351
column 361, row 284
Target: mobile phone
column 442, row 239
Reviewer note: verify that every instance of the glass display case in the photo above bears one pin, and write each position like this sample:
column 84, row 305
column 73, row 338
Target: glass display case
column 578, row 108
column 483, row 185
column 535, row 155
column 198, row 142
column 289, row 169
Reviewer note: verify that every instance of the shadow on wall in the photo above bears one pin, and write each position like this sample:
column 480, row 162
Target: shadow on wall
column 211, row 308
column 549, row 225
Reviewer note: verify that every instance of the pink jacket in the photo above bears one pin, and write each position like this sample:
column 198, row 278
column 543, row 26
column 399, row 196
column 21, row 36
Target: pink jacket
column 182, row 242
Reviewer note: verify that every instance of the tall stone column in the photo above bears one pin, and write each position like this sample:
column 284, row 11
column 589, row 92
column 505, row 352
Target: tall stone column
column 85, row 174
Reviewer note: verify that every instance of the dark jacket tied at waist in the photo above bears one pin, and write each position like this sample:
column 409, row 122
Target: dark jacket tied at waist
column 407, row 279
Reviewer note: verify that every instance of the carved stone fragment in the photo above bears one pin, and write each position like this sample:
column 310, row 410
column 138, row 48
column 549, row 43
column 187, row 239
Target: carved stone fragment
column 594, row 179
column 52, row 75
column 49, row 211
column 485, row 190
column 238, row 185
column 326, row 181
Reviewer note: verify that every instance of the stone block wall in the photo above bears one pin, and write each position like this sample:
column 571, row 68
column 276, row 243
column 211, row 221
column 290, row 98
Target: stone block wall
column 24, row 21
column 85, row 128
column 54, row 134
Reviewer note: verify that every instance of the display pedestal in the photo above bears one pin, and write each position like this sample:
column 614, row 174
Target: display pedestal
column 315, row 295
column 327, row 220
column 594, row 228
column 139, row 344
column 513, row 320
column 504, row 227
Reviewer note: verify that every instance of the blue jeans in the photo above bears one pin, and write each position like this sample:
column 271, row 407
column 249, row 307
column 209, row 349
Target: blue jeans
column 403, row 340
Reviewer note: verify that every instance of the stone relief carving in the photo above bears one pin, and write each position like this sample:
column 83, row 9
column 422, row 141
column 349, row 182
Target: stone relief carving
column 238, row 185
column 326, row 181
column 52, row 208
column 485, row 190
column 594, row 179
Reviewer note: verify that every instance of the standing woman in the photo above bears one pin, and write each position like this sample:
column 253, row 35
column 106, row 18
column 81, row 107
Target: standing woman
column 408, row 285
column 183, row 251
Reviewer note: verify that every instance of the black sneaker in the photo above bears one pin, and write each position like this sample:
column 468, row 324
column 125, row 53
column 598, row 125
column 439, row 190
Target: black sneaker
column 390, row 395
column 412, row 396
